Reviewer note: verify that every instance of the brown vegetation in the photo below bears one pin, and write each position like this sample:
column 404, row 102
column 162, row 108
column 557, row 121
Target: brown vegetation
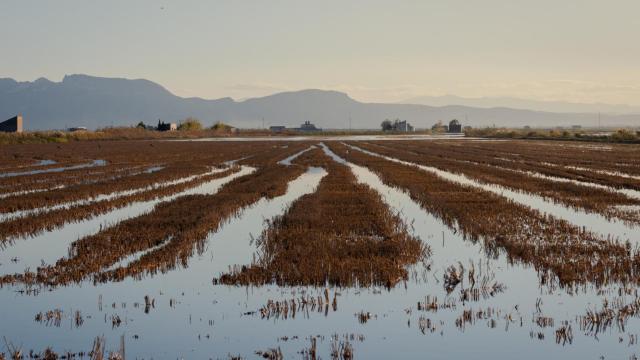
column 624, row 135
column 550, row 244
column 343, row 234
column 549, row 158
column 486, row 168
column 305, row 304
column 181, row 225
column 76, row 192
column 121, row 133
column 48, row 220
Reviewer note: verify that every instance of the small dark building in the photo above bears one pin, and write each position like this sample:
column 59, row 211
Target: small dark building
column 277, row 128
column 402, row 126
column 308, row 126
column 397, row 125
column 455, row 127
column 163, row 126
column 13, row 125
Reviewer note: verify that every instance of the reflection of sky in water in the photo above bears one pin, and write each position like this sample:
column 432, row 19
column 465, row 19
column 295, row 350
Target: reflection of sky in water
column 591, row 221
column 633, row 194
column 50, row 246
column 107, row 197
column 94, row 163
column 182, row 331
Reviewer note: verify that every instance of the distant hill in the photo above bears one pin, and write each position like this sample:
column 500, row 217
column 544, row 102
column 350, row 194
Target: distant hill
column 517, row 103
column 81, row 100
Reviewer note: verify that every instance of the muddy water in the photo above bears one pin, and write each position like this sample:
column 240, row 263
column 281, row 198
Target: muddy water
column 598, row 224
column 194, row 319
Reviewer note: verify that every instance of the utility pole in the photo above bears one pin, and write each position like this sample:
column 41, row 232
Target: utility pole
column 599, row 123
column 263, row 122
column 349, row 121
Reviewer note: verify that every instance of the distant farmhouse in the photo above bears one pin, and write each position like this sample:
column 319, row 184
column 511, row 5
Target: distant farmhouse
column 307, row 126
column 454, row 127
column 397, row 125
column 13, row 125
column 163, row 126
column 402, row 126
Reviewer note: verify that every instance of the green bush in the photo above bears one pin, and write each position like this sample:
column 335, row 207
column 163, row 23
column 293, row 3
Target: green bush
column 220, row 126
column 624, row 135
column 189, row 124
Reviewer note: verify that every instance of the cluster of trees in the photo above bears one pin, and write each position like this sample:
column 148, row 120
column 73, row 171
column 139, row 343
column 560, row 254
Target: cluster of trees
column 188, row 124
column 386, row 125
column 390, row 125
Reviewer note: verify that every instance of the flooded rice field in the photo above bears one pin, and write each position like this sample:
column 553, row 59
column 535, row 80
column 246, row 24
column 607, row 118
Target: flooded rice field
column 333, row 248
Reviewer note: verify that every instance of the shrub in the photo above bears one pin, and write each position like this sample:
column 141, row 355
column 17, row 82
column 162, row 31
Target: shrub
column 220, row 126
column 624, row 135
column 190, row 123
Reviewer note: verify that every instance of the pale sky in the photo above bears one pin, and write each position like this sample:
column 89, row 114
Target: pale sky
column 387, row 51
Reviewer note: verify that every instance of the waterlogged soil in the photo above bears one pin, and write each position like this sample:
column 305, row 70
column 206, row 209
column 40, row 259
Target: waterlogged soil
column 467, row 298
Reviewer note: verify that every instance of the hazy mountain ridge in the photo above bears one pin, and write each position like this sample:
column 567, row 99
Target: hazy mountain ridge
column 518, row 103
column 82, row 100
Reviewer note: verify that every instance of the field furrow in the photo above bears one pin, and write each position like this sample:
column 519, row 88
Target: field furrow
column 592, row 198
column 569, row 253
column 182, row 224
column 342, row 234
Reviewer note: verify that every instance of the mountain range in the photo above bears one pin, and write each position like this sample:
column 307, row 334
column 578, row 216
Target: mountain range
column 94, row 102
column 518, row 103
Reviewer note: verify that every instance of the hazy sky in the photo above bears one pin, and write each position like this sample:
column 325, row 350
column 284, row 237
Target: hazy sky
column 573, row 50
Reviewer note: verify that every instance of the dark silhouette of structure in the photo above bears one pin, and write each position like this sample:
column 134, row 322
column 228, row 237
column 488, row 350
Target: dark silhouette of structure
column 308, row 126
column 163, row 126
column 13, row 125
column 277, row 128
column 455, row 127
column 396, row 125
column 402, row 126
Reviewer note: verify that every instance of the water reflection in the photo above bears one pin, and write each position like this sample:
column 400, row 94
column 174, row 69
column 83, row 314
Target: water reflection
column 50, row 246
column 612, row 229
column 423, row 317
column 94, row 163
